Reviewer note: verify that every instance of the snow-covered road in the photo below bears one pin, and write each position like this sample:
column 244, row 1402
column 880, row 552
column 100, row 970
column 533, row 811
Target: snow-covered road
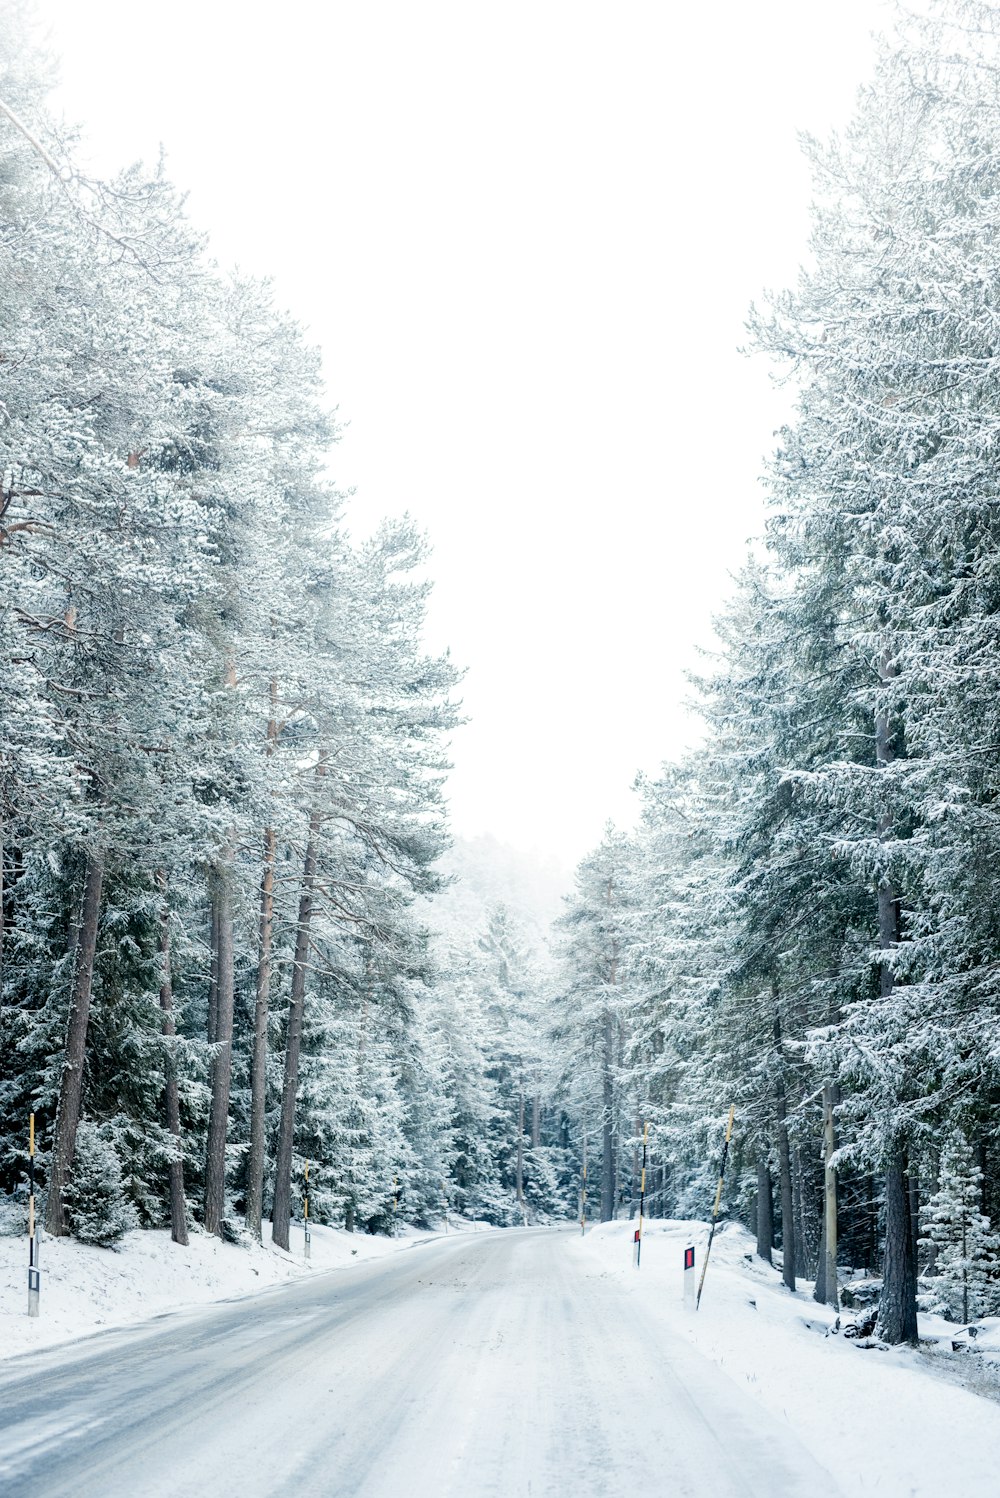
column 500, row 1364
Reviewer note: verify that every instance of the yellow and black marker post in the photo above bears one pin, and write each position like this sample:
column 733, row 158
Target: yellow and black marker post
column 395, row 1203
column 642, row 1196
column 718, row 1199
column 34, row 1274
column 307, row 1245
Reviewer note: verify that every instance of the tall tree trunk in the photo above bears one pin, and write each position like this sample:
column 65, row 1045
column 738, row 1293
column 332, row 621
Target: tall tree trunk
column 765, row 1208
column 608, row 1181
column 2, row 897
column 803, row 1257
column 71, row 1081
column 897, row 1307
column 536, row 1120
column 788, row 1253
column 281, row 1215
column 898, row 1321
column 212, row 1026
column 519, row 1167
column 178, row 1209
column 826, row 1278
column 819, row 1284
column 222, row 1065
column 258, row 1065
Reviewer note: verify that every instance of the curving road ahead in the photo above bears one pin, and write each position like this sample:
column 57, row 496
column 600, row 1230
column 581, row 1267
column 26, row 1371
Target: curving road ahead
column 491, row 1366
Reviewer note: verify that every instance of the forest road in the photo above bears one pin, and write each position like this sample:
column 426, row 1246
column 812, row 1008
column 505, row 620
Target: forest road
column 499, row 1364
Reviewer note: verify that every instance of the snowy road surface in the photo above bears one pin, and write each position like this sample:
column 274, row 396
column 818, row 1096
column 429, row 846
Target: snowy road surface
column 500, row 1364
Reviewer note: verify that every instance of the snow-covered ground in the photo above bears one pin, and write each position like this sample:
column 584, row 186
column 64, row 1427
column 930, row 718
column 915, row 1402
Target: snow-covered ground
column 604, row 1349
column 878, row 1420
column 85, row 1289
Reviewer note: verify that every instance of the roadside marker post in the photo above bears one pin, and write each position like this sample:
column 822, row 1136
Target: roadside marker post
column 642, row 1196
column 690, row 1292
column 444, row 1199
column 718, row 1199
column 34, row 1274
column 395, row 1203
column 307, row 1250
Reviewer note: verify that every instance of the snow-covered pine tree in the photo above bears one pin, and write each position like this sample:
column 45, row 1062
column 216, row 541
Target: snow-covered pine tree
column 967, row 1248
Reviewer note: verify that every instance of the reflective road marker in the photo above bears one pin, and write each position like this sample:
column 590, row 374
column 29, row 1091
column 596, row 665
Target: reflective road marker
column 34, row 1274
column 718, row 1198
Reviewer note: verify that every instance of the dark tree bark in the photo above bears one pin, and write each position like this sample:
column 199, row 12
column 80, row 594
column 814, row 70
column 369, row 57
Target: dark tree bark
column 898, row 1320
column 897, row 1308
column 281, row 1215
column 536, row 1121
column 765, row 1211
column 788, row 1249
column 3, row 894
column 519, row 1166
column 258, row 1067
column 803, row 1256
column 826, row 1291
column 178, row 1209
column 71, row 1081
column 222, row 1065
column 608, row 1176
column 212, row 1025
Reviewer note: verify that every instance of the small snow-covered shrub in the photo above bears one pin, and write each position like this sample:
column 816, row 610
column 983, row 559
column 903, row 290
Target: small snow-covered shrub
column 14, row 1215
column 99, row 1211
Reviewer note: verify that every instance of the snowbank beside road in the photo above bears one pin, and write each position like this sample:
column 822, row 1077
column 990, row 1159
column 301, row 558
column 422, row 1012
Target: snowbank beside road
column 85, row 1289
column 874, row 1417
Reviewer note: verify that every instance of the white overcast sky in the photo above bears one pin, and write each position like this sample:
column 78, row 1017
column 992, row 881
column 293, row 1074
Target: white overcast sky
column 525, row 236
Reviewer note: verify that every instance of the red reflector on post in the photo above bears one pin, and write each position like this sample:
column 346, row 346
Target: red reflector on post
column 689, row 1258
column 636, row 1235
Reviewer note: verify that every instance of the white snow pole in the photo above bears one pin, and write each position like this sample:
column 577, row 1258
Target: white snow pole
column 690, row 1288
column 307, row 1248
column 34, row 1275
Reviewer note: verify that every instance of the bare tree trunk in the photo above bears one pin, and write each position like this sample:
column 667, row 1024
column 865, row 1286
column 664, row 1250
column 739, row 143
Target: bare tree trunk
column 897, row 1318
column 222, row 1065
column 536, row 1121
column 826, row 1276
column 765, row 1209
column 258, row 1065
column 71, row 1081
column 788, row 1254
column 608, row 1181
column 281, row 1215
column 803, row 1256
column 519, row 1167
column 897, row 1307
column 178, row 1209
column 1, row 912
column 819, row 1285
column 212, row 1026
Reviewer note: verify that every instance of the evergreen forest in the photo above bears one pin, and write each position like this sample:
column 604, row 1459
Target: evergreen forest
column 236, row 936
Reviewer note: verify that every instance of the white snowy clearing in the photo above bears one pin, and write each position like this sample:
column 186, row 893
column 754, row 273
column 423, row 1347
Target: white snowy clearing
column 506, row 1363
